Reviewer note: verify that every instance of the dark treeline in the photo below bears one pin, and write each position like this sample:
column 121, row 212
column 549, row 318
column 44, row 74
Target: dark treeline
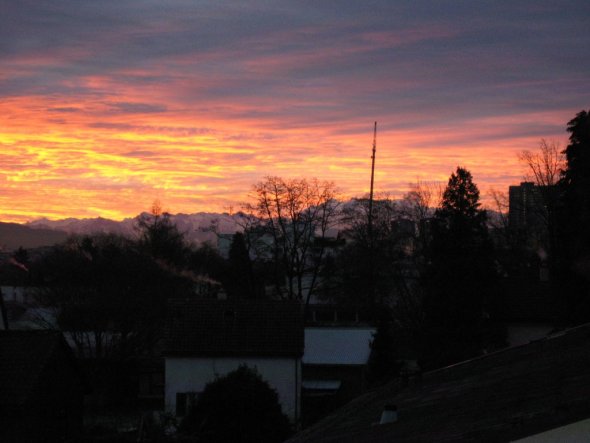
column 432, row 269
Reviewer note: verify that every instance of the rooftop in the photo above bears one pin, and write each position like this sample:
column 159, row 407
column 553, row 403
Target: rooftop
column 502, row 396
column 337, row 345
column 262, row 328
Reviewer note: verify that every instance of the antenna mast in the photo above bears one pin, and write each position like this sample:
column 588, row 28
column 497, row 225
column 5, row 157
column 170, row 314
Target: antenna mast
column 370, row 220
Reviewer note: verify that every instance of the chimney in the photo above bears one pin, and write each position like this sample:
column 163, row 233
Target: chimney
column 389, row 414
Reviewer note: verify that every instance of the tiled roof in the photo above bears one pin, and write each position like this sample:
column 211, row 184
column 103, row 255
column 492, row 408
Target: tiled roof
column 23, row 356
column 503, row 396
column 234, row 328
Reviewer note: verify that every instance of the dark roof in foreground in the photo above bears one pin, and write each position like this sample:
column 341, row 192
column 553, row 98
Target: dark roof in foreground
column 23, row 357
column 502, row 396
column 262, row 328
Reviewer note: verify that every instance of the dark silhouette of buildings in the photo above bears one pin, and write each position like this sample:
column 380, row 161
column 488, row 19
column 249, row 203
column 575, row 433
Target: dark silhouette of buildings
column 526, row 206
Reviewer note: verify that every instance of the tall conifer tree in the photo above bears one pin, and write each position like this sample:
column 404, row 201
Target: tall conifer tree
column 461, row 274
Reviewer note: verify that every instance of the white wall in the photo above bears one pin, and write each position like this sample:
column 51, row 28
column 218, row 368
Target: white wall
column 192, row 374
column 578, row 432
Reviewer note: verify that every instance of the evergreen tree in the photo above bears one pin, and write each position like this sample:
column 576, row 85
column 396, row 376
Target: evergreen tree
column 160, row 237
column 574, row 220
column 242, row 283
column 575, row 183
column 460, row 277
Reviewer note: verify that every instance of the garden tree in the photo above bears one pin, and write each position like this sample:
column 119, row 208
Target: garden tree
column 420, row 202
column 382, row 275
column 418, row 205
column 355, row 217
column 242, row 282
column 107, row 294
column 574, row 219
column 296, row 214
column 460, row 278
column 364, row 272
column 501, row 205
column 267, row 273
column 544, row 166
column 160, row 237
column 208, row 270
column 110, row 299
column 383, row 364
column 239, row 407
column 15, row 270
column 20, row 258
column 513, row 256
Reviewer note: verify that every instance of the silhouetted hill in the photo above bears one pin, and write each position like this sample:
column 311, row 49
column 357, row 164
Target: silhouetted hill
column 13, row 236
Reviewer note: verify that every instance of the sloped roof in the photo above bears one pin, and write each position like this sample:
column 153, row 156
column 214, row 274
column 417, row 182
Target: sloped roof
column 23, row 357
column 263, row 328
column 499, row 397
column 337, row 346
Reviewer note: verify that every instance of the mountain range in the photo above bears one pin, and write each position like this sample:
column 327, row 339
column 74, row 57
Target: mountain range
column 197, row 228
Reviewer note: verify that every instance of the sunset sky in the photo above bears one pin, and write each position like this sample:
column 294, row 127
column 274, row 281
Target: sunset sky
column 106, row 105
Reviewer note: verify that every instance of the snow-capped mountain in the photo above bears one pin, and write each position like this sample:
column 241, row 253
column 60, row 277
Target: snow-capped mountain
column 197, row 228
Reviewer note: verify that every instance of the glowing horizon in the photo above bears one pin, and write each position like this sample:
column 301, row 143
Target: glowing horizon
column 106, row 107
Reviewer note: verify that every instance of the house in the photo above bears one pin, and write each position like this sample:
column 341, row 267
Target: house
column 535, row 392
column 334, row 367
column 207, row 338
column 41, row 388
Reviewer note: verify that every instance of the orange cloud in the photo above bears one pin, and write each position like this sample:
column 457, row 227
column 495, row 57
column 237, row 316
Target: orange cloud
column 104, row 112
column 76, row 167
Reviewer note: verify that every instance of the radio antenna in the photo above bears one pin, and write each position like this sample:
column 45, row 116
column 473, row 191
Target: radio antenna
column 370, row 220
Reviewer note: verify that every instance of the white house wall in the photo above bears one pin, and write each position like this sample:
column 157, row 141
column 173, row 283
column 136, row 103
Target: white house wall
column 192, row 374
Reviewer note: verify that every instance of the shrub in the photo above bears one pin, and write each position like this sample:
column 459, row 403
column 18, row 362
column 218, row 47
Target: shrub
column 239, row 407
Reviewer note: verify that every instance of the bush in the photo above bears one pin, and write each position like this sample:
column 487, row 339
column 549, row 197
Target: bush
column 240, row 408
